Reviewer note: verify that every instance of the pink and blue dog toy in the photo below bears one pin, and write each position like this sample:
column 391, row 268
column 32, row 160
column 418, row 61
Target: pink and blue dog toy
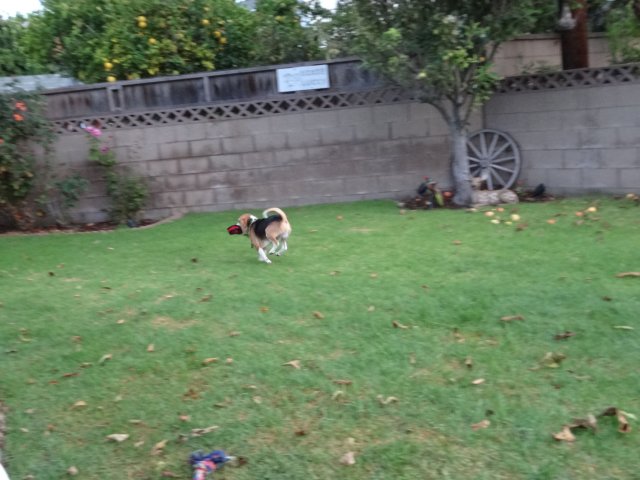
column 203, row 463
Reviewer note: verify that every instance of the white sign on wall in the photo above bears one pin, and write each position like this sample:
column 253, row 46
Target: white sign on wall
column 303, row 78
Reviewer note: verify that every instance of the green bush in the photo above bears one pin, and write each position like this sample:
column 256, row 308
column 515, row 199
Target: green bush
column 128, row 193
column 623, row 32
column 25, row 137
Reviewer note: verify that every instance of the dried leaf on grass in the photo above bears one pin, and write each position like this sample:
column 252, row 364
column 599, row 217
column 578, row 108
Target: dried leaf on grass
column 511, row 318
column 342, row 382
column 105, row 358
column 318, row 315
column 553, row 359
column 481, row 424
column 468, row 362
column 623, row 327
column 397, row 324
column 209, row 361
column 79, row 404
column 623, row 423
column 348, row 459
column 386, row 400
column 293, row 363
column 191, row 394
column 478, row 381
column 591, row 423
column 158, row 448
column 564, row 335
column 628, row 274
column 118, row 437
column 72, row 471
column 565, row 435
column 198, row 432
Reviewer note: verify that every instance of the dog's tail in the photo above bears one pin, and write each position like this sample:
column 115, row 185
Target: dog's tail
column 265, row 214
column 285, row 220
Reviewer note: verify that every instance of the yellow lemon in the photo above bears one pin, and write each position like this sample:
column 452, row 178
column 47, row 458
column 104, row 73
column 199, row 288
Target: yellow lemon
column 111, row 78
column 152, row 41
column 108, row 66
column 142, row 24
column 205, row 22
column 217, row 34
column 223, row 41
column 142, row 18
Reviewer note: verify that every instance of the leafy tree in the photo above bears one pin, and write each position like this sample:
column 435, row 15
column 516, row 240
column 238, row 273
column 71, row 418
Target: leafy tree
column 287, row 31
column 623, row 31
column 441, row 50
column 128, row 39
column 13, row 59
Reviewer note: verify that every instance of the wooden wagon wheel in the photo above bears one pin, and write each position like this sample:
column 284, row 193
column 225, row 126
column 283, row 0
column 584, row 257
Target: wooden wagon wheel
column 494, row 156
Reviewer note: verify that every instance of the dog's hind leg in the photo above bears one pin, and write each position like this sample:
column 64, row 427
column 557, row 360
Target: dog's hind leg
column 272, row 250
column 274, row 245
column 283, row 247
column 263, row 256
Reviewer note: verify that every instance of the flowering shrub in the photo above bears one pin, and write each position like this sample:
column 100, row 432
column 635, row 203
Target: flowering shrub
column 25, row 135
column 128, row 194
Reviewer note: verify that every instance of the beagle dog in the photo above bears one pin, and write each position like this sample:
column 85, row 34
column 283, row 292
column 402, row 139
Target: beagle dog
column 273, row 228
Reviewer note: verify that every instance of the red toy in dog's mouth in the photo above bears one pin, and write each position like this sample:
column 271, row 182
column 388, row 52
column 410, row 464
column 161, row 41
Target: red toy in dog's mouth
column 234, row 230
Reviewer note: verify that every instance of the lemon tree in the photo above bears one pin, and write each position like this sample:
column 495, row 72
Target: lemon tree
column 442, row 51
column 129, row 39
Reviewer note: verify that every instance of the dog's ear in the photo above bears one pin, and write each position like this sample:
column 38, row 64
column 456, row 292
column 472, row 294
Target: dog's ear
column 243, row 221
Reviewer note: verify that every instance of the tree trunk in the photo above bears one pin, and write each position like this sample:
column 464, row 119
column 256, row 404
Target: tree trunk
column 460, row 166
column 575, row 42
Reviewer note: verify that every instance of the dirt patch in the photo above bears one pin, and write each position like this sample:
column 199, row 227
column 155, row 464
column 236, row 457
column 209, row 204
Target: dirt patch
column 169, row 323
column 84, row 228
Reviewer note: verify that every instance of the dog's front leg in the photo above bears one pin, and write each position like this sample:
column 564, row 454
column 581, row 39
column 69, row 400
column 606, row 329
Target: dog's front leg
column 263, row 256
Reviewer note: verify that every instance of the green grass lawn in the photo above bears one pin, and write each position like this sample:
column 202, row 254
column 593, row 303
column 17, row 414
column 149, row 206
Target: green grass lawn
column 109, row 333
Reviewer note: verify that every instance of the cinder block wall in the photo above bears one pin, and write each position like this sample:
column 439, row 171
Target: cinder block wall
column 532, row 53
column 325, row 156
column 574, row 140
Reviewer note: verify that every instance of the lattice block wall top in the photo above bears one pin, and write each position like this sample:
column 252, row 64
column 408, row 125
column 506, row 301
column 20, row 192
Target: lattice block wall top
column 235, row 110
column 585, row 77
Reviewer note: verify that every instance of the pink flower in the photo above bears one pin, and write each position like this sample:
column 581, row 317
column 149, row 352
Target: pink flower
column 104, row 148
column 93, row 131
